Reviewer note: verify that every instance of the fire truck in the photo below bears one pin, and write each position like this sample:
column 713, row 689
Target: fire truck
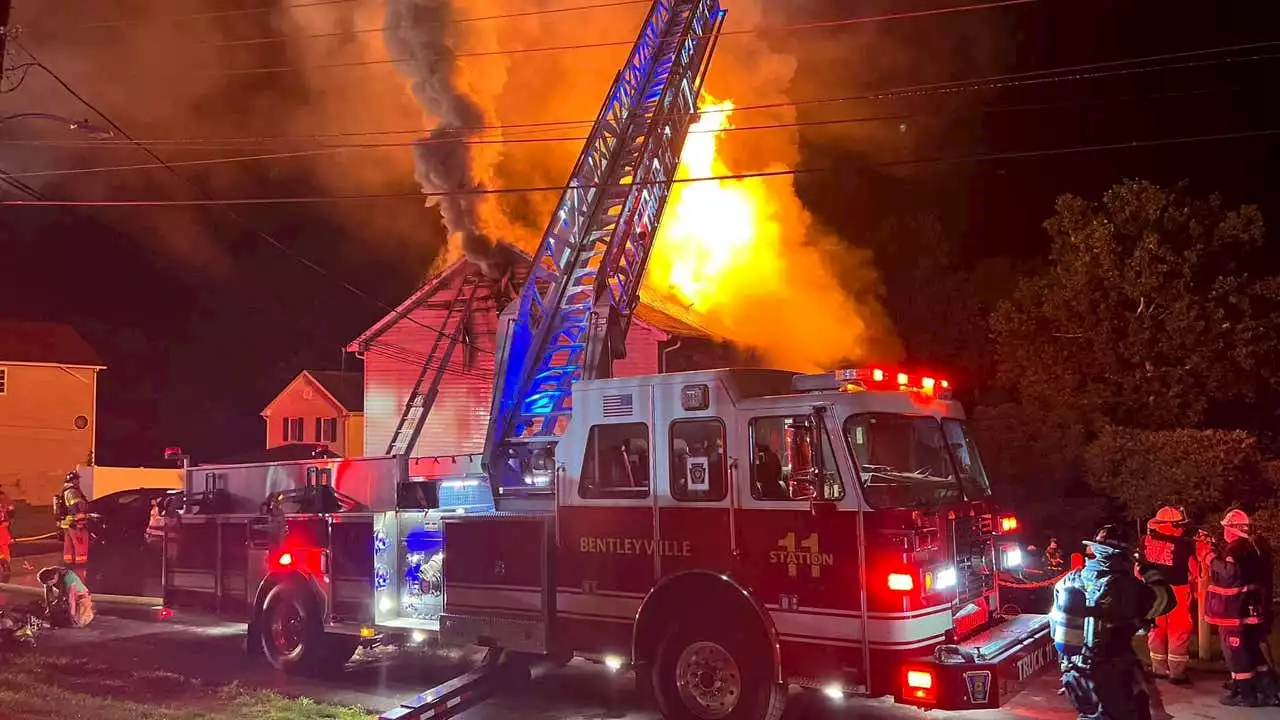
column 723, row 534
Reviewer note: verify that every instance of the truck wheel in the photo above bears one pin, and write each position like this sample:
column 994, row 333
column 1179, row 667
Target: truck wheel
column 292, row 637
column 708, row 670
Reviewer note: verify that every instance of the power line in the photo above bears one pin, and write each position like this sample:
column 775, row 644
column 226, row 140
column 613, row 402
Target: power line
column 456, row 21
column 209, row 200
column 678, row 181
column 629, row 43
column 1006, row 80
column 332, row 149
column 205, row 15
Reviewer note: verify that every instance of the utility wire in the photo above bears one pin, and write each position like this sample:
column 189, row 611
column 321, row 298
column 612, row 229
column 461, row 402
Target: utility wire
column 336, row 148
column 205, row 15
column 209, row 200
column 678, row 181
column 1033, row 77
column 630, row 43
column 456, row 21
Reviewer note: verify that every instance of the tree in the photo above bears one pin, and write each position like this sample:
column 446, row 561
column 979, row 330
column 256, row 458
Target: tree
column 1152, row 313
column 1204, row 471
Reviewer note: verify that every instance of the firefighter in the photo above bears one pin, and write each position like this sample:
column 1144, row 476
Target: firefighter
column 6, row 537
column 155, row 525
column 1097, row 610
column 67, row 600
column 1054, row 563
column 1166, row 547
column 74, row 521
column 1235, row 604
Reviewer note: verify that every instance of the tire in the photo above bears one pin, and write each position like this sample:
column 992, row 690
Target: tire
column 736, row 679
column 293, row 639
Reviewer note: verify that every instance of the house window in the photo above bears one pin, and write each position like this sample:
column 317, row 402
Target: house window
column 291, row 429
column 616, row 464
column 4, row 380
column 327, row 430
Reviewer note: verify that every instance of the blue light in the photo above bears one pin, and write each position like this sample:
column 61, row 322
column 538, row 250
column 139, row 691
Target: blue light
column 381, row 578
column 423, row 541
column 380, row 541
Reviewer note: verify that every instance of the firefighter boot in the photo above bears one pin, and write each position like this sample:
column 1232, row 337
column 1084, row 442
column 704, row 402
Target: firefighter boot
column 1268, row 690
column 1245, row 695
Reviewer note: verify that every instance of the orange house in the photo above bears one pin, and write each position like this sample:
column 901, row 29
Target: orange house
column 48, row 407
column 319, row 407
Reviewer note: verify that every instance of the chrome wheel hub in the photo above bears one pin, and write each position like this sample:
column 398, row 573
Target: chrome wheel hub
column 708, row 679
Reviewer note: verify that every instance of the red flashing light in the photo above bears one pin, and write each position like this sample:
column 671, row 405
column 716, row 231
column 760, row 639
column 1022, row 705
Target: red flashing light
column 880, row 379
column 163, row 613
column 918, row 685
column 285, row 559
column 1008, row 523
column 901, row 582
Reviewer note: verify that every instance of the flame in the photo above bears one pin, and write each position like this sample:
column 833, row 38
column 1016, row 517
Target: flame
column 739, row 257
column 711, row 228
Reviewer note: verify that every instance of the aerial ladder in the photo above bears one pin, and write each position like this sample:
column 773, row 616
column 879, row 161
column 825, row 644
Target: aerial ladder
column 571, row 319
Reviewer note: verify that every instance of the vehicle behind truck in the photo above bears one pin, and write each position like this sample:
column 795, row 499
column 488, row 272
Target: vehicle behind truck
column 724, row 534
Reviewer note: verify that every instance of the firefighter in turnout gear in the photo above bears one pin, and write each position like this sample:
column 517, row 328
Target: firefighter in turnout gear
column 6, row 537
column 1166, row 547
column 73, row 517
column 1097, row 610
column 1235, row 603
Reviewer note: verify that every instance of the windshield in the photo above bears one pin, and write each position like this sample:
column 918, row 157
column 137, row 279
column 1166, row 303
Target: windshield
column 973, row 478
column 904, row 461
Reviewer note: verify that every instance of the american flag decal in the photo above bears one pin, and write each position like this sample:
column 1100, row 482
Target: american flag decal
column 618, row 405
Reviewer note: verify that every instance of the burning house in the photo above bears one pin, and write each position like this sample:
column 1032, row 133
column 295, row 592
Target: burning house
column 451, row 323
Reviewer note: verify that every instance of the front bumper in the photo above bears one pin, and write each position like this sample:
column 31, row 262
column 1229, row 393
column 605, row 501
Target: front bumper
column 987, row 670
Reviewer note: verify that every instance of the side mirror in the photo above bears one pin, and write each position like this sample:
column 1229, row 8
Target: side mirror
column 803, row 481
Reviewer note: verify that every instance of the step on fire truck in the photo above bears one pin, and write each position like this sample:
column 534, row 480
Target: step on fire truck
column 725, row 534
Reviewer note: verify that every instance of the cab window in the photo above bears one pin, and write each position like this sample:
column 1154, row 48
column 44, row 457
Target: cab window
column 771, row 461
column 616, row 464
column 698, row 469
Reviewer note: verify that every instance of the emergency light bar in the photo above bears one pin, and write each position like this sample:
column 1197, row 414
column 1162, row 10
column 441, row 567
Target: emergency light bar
column 860, row 379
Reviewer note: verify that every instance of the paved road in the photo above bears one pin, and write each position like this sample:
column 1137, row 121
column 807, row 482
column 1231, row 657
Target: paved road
column 213, row 652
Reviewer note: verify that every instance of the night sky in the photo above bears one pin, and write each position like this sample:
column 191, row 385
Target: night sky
column 201, row 321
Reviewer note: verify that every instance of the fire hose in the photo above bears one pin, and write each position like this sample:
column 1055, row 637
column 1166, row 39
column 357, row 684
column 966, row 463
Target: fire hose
column 34, row 538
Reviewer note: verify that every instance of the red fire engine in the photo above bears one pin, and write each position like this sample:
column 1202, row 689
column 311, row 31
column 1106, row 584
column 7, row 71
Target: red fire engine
column 726, row 534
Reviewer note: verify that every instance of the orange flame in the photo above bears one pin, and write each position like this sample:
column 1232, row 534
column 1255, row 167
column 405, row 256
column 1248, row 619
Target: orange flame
column 738, row 255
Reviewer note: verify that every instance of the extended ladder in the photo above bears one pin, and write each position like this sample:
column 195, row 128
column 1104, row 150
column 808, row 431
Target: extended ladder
column 435, row 366
column 571, row 318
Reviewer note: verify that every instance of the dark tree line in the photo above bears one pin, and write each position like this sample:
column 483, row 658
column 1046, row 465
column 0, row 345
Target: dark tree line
column 1137, row 365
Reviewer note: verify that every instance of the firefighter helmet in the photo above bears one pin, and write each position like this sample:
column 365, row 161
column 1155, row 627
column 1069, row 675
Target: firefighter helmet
column 1237, row 519
column 73, row 477
column 1169, row 515
column 49, row 575
column 1109, row 536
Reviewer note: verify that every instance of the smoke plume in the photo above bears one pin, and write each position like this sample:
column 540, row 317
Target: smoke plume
column 417, row 34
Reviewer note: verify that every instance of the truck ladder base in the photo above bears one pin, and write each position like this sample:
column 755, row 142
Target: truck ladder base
column 463, row 692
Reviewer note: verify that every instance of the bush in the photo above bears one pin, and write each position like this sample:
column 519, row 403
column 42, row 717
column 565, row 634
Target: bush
column 1205, row 471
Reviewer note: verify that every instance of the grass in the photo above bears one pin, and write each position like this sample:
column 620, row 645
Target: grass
column 47, row 687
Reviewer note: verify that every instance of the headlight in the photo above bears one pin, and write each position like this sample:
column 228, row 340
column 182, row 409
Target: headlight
column 946, row 578
column 1013, row 557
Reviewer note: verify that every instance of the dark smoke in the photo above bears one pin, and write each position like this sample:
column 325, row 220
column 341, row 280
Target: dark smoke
column 416, row 31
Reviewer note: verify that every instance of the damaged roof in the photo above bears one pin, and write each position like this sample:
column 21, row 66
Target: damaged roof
column 661, row 314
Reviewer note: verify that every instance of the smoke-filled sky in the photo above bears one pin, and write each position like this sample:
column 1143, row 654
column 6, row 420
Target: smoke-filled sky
column 202, row 320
